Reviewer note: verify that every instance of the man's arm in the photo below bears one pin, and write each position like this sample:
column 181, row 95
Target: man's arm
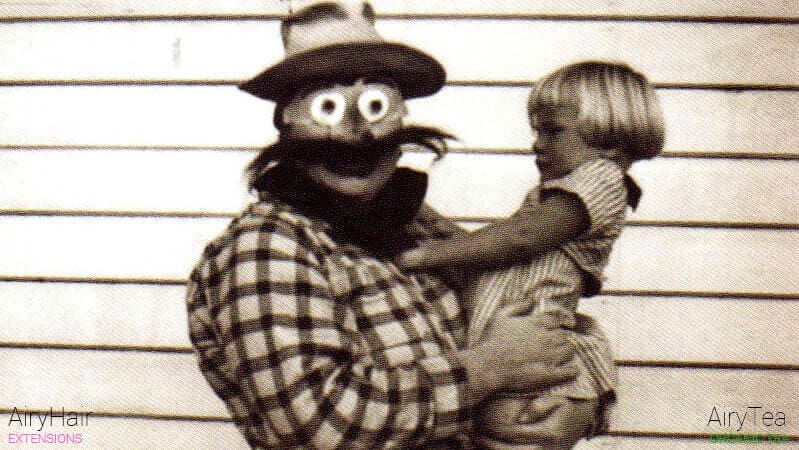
column 559, row 217
column 208, row 350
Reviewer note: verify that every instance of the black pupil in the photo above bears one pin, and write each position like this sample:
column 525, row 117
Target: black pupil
column 328, row 106
column 375, row 106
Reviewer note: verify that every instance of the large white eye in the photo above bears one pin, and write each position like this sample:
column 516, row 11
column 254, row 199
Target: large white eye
column 373, row 105
column 328, row 108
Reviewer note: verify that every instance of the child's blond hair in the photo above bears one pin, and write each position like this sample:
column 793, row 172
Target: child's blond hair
column 618, row 108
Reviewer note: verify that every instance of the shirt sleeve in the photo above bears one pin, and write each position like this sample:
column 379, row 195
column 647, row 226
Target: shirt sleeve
column 208, row 350
column 599, row 184
column 302, row 358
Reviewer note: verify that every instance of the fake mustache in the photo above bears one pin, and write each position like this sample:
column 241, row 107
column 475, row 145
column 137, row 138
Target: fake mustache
column 332, row 152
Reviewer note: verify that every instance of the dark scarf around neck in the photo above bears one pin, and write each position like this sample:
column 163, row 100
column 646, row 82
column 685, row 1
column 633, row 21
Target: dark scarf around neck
column 379, row 226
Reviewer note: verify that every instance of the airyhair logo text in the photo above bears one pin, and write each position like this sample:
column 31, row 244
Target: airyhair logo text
column 44, row 438
column 51, row 418
column 37, row 421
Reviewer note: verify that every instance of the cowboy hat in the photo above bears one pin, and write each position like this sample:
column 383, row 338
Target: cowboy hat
column 337, row 40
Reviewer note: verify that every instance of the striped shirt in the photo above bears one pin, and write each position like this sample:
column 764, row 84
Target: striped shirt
column 554, row 281
column 313, row 343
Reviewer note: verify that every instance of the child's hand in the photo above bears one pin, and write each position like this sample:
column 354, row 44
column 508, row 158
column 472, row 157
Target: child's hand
column 412, row 259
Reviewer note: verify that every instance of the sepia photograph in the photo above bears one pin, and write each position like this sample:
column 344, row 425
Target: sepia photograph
column 407, row 224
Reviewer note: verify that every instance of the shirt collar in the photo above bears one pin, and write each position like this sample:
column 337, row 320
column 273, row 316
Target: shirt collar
column 634, row 192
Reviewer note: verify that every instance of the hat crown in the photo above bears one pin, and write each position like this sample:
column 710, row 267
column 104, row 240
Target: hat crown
column 337, row 40
column 314, row 24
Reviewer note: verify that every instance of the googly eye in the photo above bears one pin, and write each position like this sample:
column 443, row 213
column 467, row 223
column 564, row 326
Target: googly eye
column 328, row 108
column 373, row 105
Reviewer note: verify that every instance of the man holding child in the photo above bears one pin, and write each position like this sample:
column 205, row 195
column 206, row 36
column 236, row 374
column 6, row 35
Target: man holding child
column 302, row 322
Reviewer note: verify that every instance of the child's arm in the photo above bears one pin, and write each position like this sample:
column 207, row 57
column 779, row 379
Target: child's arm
column 531, row 231
column 438, row 225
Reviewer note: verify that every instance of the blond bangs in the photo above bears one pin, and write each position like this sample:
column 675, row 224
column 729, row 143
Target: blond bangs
column 548, row 92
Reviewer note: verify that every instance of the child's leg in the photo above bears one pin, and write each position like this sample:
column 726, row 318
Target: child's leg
column 547, row 422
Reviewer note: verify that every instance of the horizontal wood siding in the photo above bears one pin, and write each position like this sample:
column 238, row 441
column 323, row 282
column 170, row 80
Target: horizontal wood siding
column 167, row 384
column 462, row 185
column 482, row 118
column 698, row 259
column 122, row 144
column 237, row 49
column 731, row 331
column 699, row 9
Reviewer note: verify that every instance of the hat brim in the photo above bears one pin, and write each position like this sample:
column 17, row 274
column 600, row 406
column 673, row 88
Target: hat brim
column 416, row 73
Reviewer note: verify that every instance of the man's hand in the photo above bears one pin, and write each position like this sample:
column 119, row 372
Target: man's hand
column 520, row 353
column 539, row 422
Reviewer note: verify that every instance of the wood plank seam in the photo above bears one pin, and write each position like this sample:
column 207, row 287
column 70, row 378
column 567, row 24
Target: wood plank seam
column 99, row 347
column 705, row 365
column 660, row 434
column 667, row 18
column 608, row 292
column 468, row 220
column 129, row 415
column 620, row 361
column 212, row 419
column 719, row 295
column 742, row 20
column 734, row 87
column 684, row 154
column 658, row 85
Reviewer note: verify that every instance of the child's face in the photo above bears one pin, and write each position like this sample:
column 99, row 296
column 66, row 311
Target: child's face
column 558, row 145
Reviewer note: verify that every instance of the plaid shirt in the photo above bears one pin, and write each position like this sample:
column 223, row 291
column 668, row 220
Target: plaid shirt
column 314, row 343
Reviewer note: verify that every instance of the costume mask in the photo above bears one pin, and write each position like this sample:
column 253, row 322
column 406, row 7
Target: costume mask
column 353, row 114
column 339, row 127
column 345, row 137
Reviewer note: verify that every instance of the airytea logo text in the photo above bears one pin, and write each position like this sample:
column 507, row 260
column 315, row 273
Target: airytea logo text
column 37, row 421
column 750, row 419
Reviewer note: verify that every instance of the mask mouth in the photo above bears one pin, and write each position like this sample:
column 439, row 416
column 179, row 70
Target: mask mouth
column 347, row 160
column 351, row 169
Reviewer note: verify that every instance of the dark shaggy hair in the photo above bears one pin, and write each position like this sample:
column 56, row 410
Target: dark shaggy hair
column 429, row 138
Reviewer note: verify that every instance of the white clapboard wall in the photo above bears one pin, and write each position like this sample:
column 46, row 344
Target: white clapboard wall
column 122, row 144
